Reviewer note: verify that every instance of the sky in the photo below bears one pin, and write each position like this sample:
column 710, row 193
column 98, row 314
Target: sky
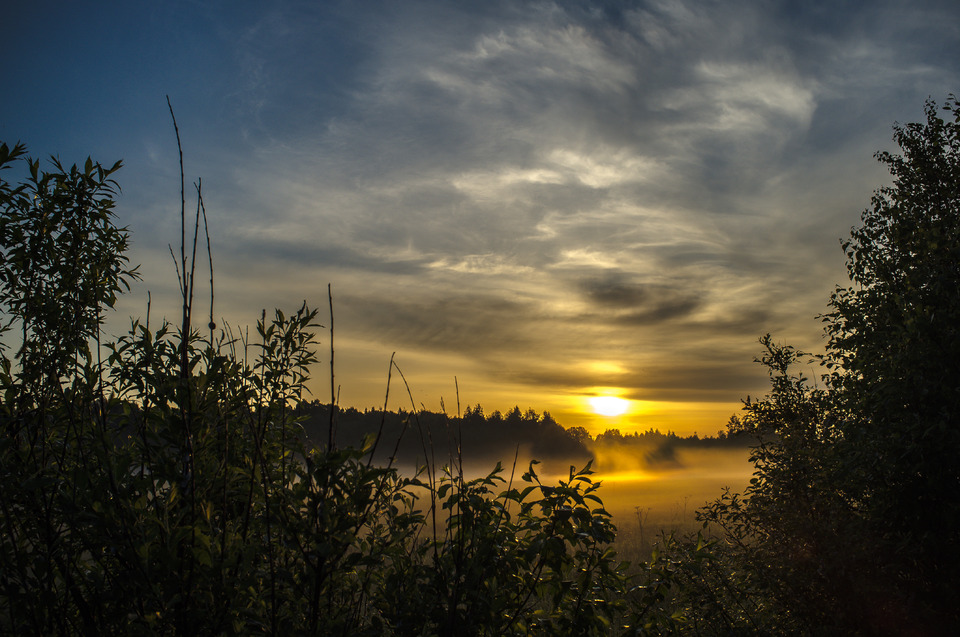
column 546, row 201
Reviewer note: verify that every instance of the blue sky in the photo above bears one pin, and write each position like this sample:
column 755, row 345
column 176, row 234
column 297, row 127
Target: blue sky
column 547, row 200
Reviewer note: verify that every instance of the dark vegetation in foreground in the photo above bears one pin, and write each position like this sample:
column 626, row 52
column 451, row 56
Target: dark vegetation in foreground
column 165, row 488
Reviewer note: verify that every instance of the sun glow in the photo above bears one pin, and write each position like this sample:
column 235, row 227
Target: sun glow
column 609, row 405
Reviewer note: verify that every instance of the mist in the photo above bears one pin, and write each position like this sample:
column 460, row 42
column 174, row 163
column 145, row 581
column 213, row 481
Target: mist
column 664, row 491
column 648, row 479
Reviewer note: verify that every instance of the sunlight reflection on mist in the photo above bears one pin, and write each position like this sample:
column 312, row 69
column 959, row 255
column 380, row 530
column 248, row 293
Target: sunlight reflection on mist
column 668, row 490
column 673, row 492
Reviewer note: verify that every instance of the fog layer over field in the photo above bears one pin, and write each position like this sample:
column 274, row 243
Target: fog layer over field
column 665, row 495
column 651, row 476
column 669, row 493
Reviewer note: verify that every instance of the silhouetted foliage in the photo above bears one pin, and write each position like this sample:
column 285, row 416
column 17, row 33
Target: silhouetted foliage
column 851, row 523
column 895, row 342
column 168, row 488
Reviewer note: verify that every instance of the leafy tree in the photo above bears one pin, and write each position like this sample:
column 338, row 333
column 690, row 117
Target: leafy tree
column 579, row 434
column 62, row 263
column 851, row 523
column 895, row 341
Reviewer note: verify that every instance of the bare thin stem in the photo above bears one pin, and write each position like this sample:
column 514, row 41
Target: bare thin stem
column 183, row 199
column 206, row 231
column 177, row 267
column 457, row 386
column 428, row 460
column 182, row 269
column 193, row 256
column 184, row 354
column 383, row 418
column 331, row 432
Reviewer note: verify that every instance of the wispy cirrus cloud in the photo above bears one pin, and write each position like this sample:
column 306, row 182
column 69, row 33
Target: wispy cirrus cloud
column 581, row 172
column 542, row 198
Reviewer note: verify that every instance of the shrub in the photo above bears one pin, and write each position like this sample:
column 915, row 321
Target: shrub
column 851, row 524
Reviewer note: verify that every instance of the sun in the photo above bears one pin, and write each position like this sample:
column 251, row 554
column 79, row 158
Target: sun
column 609, row 405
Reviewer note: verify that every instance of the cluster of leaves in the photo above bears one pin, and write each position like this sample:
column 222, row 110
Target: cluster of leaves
column 519, row 561
column 165, row 488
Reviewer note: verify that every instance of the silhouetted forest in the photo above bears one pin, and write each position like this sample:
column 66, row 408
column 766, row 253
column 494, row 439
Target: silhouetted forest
column 489, row 438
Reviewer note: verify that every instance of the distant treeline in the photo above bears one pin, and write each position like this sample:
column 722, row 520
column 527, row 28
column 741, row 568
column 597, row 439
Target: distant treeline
column 413, row 437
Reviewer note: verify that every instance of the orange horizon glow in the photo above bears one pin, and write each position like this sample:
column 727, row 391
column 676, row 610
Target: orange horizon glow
column 362, row 372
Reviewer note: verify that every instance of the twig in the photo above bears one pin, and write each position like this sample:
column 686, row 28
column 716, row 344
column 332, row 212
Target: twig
column 183, row 204
column 206, row 231
column 457, row 386
column 193, row 256
column 331, row 432
column 177, row 267
column 383, row 418
column 188, row 465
